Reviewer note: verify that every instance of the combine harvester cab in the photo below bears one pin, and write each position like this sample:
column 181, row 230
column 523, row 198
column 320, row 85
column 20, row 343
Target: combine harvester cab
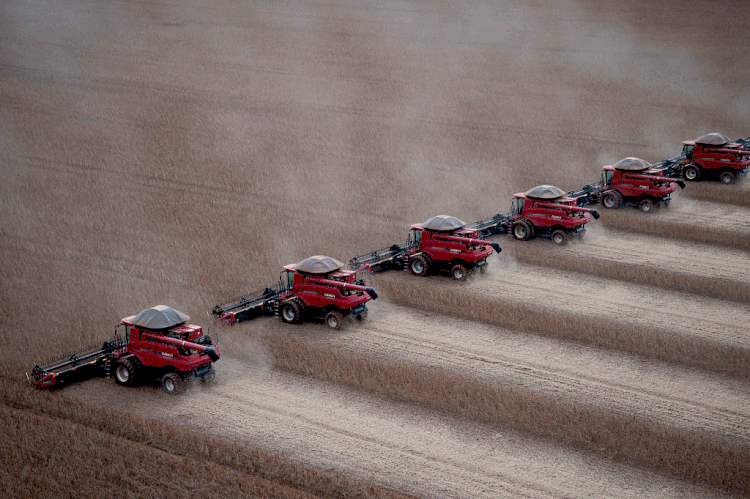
column 442, row 243
column 316, row 287
column 155, row 344
column 632, row 181
column 714, row 156
column 543, row 211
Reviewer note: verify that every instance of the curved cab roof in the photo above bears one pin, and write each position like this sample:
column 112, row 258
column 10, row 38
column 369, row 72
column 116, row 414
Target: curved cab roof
column 159, row 317
column 545, row 192
column 632, row 165
column 318, row 264
column 713, row 139
column 443, row 223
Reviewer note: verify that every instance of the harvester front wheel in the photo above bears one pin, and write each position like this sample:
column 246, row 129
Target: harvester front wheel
column 459, row 272
column 334, row 320
column 419, row 265
column 291, row 312
column 612, row 199
column 692, row 172
column 173, row 383
column 523, row 230
column 646, row 205
column 361, row 317
column 125, row 371
column 727, row 177
column 559, row 237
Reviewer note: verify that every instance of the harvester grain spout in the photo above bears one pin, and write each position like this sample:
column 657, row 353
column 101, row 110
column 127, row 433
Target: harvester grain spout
column 212, row 353
column 470, row 241
column 568, row 207
column 346, row 285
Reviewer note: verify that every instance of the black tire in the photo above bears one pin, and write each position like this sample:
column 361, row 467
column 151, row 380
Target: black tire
column 291, row 311
column 727, row 177
column 459, row 272
column 559, row 237
column 361, row 317
column 612, row 199
column 419, row 265
column 125, row 372
column 173, row 383
column 692, row 172
column 334, row 320
column 523, row 230
column 646, row 205
column 209, row 378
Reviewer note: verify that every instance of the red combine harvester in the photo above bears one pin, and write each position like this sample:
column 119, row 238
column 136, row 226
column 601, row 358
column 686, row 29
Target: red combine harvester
column 714, row 156
column 543, row 211
column 630, row 181
column 156, row 344
column 442, row 243
column 710, row 156
column 315, row 287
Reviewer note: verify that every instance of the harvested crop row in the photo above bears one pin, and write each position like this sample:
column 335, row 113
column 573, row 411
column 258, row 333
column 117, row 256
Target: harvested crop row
column 128, row 449
column 737, row 194
column 673, row 327
column 420, row 450
column 650, row 443
column 671, row 264
column 692, row 220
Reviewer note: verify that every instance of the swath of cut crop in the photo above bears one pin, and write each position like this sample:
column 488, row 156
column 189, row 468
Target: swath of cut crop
column 698, row 457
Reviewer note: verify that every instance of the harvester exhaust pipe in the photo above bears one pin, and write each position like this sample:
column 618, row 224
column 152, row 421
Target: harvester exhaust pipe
column 371, row 291
column 496, row 247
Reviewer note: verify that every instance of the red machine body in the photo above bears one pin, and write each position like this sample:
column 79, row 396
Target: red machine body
column 714, row 156
column 316, row 287
column 158, row 343
column 646, row 189
column 559, row 219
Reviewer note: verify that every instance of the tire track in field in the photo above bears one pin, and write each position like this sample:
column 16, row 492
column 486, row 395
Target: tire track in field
column 385, row 442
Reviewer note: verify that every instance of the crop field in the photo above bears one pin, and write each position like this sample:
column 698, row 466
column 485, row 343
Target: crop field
column 182, row 153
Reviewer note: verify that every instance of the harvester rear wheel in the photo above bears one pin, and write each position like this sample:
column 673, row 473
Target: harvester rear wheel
column 559, row 237
column 727, row 177
column 459, row 272
column 612, row 199
column 523, row 230
column 291, row 311
column 173, row 383
column 419, row 265
column 125, row 372
column 646, row 205
column 334, row 319
column 692, row 172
